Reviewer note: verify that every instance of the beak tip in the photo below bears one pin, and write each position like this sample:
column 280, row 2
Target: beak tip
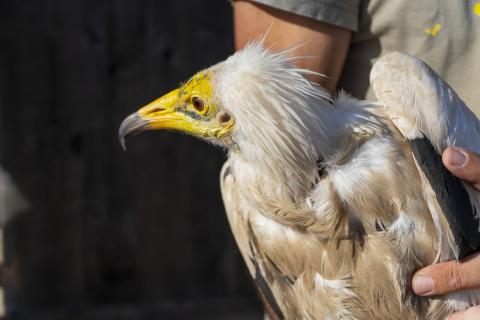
column 132, row 125
column 123, row 144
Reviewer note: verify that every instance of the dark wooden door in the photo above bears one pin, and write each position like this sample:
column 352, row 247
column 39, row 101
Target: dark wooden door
column 93, row 232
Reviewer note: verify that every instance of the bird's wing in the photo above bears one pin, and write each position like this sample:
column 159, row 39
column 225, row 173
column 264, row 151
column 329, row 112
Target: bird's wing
column 431, row 117
column 238, row 220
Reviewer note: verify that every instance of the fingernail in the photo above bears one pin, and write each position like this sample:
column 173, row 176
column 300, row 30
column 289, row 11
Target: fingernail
column 456, row 157
column 422, row 285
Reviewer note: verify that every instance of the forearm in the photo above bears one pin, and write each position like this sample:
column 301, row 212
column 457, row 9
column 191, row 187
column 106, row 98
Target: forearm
column 323, row 46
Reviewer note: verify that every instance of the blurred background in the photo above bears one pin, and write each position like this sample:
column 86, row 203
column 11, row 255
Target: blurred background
column 89, row 231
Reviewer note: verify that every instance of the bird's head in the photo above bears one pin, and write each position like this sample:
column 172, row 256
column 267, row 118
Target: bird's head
column 255, row 102
column 194, row 108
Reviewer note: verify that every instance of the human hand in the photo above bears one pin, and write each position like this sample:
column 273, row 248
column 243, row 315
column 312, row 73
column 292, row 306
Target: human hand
column 464, row 164
column 454, row 276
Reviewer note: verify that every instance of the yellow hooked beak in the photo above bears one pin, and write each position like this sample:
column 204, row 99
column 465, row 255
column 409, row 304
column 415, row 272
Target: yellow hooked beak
column 173, row 111
column 162, row 113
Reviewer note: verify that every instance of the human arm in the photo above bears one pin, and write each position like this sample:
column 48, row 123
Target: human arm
column 454, row 276
column 323, row 45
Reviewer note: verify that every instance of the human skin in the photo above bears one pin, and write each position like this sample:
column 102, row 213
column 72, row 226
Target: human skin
column 325, row 47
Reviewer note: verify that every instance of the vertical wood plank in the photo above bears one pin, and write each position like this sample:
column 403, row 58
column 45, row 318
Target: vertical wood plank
column 103, row 226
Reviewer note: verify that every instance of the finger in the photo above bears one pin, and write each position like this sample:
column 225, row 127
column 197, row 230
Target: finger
column 464, row 164
column 472, row 313
column 448, row 277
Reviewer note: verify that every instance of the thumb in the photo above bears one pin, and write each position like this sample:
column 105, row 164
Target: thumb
column 447, row 277
column 463, row 163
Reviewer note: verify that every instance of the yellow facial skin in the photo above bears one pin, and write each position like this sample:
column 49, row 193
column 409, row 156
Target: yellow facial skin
column 190, row 109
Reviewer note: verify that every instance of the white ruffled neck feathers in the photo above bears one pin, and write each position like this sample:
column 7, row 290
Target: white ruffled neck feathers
column 282, row 119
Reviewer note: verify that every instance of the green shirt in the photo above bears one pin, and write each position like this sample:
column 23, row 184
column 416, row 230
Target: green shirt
column 445, row 34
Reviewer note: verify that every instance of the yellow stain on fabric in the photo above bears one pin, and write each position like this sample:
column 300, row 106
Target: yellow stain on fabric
column 434, row 30
column 476, row 8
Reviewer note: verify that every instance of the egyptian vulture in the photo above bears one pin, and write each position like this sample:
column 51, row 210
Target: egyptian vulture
column 334, row 202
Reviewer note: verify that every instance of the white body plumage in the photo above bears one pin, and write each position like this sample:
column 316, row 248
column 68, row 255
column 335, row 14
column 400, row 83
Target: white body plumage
column 327, row 200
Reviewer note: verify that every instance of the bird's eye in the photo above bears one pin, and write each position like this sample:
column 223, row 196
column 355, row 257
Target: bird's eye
column 198, row 104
